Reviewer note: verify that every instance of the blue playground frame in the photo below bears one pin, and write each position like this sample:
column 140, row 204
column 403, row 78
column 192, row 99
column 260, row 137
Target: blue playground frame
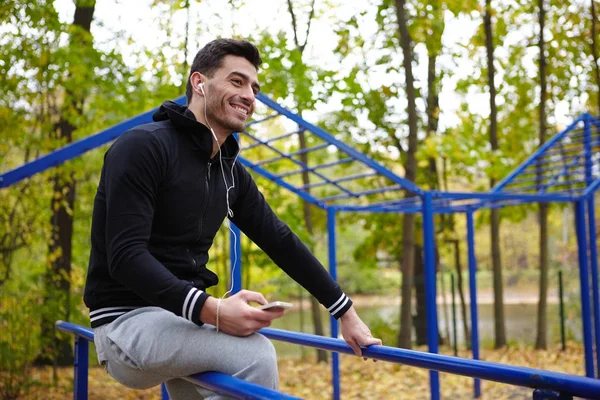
column 565, row 169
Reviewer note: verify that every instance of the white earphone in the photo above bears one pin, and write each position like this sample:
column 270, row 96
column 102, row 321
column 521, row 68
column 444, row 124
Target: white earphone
column 227, row 188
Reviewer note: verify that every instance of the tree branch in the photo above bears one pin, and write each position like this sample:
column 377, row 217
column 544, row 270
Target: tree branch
column 294, row 26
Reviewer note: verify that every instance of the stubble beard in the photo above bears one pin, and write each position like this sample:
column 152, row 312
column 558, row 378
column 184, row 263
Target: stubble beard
column 218, row 114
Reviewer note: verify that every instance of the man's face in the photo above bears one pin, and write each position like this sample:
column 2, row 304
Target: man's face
column 230, row 94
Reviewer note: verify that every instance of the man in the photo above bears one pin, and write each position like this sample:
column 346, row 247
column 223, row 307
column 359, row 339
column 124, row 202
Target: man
column 165, row 189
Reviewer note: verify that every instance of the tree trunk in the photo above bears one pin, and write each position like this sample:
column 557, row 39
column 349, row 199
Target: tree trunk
column 314, row 304
column 541, row 340
column 57, row 348
column 461, row 293
column 410, row 166
column 499, row 326
column 420, row 317
column 595, row 54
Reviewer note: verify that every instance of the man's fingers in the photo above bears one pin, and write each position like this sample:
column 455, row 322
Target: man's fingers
column 355, row 347
column 249, row 296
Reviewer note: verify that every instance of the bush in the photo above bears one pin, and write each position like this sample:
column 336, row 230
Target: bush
column 19, row 337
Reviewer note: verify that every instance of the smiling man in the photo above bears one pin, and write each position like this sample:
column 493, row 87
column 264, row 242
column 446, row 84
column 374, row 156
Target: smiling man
column 166, row 187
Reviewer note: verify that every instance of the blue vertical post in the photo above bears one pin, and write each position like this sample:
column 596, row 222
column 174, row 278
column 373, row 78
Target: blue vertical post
column 335, row 357
column 430, row 290
column 80, row 366
column 581, row 231
column 163, row 392
column 235, row 254
column 594, row 266
column 587, row 143
column 473, row 296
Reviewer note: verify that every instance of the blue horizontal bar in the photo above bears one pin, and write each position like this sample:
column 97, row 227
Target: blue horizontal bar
column 540, row 151
column 235, row 387
column 258, row 121
column 271, row 140
column 344, row 179
column 215, row 381
column 306, row 196
column 320, row 166
column 292, row 154
column 297, row 162
column 520, row 376
column 340, row 145
column 536, row 188
column 501, row 196
column 363, row 193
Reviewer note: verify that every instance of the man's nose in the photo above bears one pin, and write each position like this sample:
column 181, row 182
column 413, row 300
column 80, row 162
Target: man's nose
column 248, row 94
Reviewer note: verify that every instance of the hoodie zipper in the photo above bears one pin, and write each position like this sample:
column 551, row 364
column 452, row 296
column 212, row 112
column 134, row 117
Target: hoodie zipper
column 206, row 197
column 192, row 259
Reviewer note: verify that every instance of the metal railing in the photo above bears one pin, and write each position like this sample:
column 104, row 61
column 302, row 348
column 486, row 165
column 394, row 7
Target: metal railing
column 547, row 385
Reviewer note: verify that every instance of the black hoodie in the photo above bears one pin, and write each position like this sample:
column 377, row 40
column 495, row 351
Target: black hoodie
column 159, row 204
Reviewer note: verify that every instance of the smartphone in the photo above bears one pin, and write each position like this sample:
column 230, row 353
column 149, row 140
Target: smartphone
column 276, row 306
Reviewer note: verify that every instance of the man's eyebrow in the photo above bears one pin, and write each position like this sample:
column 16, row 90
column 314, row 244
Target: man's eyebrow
column 255, row 85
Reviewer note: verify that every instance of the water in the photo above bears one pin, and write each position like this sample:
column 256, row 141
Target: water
column 521, row 324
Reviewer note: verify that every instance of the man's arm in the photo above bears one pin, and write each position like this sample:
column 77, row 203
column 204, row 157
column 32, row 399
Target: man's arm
column 133, row 170
column 254, row 217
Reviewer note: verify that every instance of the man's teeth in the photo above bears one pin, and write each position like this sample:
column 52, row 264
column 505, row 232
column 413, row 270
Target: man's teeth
column 242, row 110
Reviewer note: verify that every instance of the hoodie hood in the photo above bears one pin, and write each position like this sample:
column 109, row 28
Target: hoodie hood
column 185, row 120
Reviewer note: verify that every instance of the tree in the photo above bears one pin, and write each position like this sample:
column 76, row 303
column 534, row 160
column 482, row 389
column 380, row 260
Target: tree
column 594, row 48
column 499, row 327
column 410, row 167
column 57, row 279
column 541, row 339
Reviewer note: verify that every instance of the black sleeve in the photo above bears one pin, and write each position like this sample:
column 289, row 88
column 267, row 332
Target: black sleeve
column 256, row 219
column 133, row 169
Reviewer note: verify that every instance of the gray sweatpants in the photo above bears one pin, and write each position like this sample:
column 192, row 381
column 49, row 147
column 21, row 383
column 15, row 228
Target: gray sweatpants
column 149, row 346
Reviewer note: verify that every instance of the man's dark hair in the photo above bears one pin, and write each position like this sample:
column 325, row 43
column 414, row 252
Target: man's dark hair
column 210, row 58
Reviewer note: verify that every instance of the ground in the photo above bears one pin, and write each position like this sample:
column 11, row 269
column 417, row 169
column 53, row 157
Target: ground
column 360, row 379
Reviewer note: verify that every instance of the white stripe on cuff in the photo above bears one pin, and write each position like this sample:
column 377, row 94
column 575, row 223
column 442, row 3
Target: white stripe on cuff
column 187, row 300
column 193, row 304
column 340, row 307
column 101, row 310
column 106, row 315
column 342, row 297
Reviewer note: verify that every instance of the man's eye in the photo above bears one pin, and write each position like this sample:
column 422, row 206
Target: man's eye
column 237, row 81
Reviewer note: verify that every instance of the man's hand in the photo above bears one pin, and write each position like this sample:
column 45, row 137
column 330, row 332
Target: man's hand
column 355, row 332
column 236, row 316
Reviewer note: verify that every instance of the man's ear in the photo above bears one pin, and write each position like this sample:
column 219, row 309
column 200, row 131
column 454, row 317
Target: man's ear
column 197, row 81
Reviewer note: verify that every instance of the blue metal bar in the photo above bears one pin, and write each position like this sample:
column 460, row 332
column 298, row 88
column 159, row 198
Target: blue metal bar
column 340, row 145
column 363, row 193
column 521, row 189
column 300, row 163
column 430, row 289
column 586, row 312
column 235, row 387
column 73, row 150
column 271, row 140
column 500, row 196
column 563, row 172
column 473, row 295
column 163, row 392
column 258, row 121
column 344, row 179
column 235, row 253
column 320, row 166
column 335, row 357
column 531, row 159
column 267, row 174
column 591, row 189
column 80, row 366
column 594, row 267
column 588, row 388
column 292, row 154
column 587, row 152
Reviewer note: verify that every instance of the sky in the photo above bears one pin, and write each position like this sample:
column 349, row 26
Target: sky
column 140, row 21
